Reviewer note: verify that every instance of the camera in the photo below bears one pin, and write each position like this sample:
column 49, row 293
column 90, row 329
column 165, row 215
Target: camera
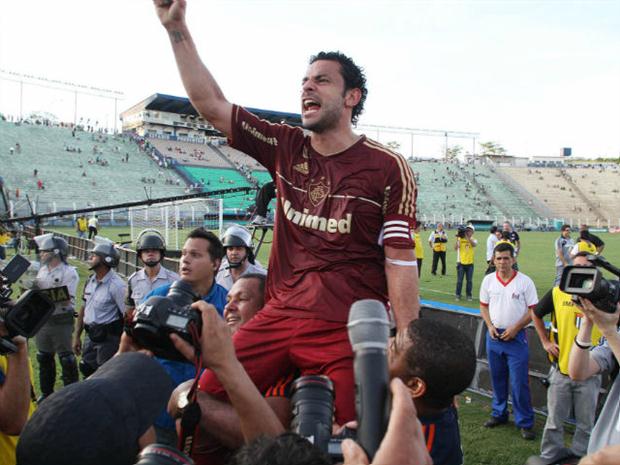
column 158, row 317
column 588, row 282
column 460, row 231
column 26, row 316
column 313, row 406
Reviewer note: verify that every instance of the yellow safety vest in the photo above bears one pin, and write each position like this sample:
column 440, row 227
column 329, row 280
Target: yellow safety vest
column 565, row 322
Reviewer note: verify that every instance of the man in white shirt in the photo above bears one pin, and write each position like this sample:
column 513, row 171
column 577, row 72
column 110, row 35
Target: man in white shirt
column 505, row 299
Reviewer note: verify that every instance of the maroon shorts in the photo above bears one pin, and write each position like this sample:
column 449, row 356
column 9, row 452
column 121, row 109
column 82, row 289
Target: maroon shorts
column 272, row 345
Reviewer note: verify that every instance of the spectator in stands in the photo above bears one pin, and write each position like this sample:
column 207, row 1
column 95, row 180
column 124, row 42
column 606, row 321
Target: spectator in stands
column 239, row 259
column 16, row 402
column 563, row 248
column 585, row 361
column 345, row 249
column 18, row 148
column 593, row 238
column 505, row 300
column 565, row 395
column 93, row 225
column 39, row 184
column 35, row 172
column 465, row 245
column 438, row 240
column 436, row 362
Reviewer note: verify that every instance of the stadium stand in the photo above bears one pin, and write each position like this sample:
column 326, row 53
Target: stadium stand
column 587, row 193
column 456, row 191
column 188, row 153
column 78, row 171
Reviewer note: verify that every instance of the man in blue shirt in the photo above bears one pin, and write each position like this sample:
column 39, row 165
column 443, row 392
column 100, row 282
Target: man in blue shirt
column 200, row 259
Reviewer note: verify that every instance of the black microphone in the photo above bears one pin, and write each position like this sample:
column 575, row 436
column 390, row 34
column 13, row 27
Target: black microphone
column 368, row 332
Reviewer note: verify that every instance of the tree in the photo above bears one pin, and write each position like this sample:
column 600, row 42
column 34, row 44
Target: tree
column 453, row 152
column 492, row 148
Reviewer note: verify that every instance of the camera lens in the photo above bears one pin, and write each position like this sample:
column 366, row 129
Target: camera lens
column 313, row 404
column 182, row 294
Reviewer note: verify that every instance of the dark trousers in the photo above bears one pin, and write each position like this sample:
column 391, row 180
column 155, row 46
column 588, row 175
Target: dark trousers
column 264, row 196
column 467, row 272
column 419, row 266
column 92, row 232
column 436, row 257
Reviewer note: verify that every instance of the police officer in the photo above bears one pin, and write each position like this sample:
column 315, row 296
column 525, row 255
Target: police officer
column 102, row 312
column 55, row 335
column 438, row 241
column 237, row 242
column 151, row 249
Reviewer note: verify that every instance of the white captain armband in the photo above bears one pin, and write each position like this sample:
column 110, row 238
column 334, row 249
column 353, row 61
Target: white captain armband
column 401, row 262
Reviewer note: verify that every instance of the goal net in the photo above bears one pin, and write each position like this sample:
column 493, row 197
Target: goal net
column 175, row 220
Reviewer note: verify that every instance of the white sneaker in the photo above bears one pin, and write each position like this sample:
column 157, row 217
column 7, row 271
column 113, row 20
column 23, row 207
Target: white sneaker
column 259, row 220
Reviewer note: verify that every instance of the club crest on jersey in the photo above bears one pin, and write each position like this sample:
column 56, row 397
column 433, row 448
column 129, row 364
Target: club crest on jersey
column 318, row 191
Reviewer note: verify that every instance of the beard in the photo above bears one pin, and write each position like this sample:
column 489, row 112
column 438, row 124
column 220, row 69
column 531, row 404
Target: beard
column 151, row 263
column 328, row 120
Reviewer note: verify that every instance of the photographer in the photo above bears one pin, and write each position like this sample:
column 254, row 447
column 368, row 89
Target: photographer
column 200, row 259
column 585, row 362
column 16, row 402
column 102, row 312
column 464, row 246
column 564, row 394
column 55, row 336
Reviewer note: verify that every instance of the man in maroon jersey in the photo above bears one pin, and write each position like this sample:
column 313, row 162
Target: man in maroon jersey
column 345, row 210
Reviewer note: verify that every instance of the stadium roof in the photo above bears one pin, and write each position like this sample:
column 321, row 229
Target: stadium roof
column 182, row 105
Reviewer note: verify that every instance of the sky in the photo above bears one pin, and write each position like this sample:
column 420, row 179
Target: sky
column 533, row 76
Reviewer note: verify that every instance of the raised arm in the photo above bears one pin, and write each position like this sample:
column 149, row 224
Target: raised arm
column 202, row 89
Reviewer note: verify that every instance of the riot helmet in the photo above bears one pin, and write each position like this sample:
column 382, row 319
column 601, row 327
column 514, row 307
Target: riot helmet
column 108, row 254
column 238, row 236
column 56, row 245
column 151, row 239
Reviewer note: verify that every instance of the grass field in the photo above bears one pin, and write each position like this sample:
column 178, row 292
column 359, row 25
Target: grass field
column 481, row 446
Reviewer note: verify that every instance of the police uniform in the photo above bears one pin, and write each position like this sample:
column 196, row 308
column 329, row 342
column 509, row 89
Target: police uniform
column 438, row 240
column 139, row 284
column 103, row 319
column 55, row 335
column 224, row 277
column 565, row 394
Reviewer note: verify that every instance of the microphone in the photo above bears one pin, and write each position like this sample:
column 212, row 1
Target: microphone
column 368, row 332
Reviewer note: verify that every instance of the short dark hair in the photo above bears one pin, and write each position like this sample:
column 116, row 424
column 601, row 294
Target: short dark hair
column 581, row 254
column 215, row 249
column 504, row 247
column 285, row 449
column 261, row 278
column 493, row 229
column 443, row 357
column 564, row 227
column 353, row 75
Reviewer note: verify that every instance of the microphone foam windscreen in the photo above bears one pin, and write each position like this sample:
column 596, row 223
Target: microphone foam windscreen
column 368, row 325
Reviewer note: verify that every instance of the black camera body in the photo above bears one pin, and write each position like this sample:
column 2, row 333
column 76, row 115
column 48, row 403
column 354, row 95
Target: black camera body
column 26, row 316
column 460, row 231
column 158, row 317
column 588, row 282
column 313, row 405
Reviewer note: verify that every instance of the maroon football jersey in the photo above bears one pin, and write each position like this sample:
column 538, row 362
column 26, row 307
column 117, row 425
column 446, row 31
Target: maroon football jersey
column 334, row 214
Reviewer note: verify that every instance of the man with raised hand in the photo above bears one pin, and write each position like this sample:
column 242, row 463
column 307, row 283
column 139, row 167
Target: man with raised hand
column 346, row 207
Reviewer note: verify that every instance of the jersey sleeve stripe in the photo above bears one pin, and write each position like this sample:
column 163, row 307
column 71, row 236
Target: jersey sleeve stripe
column 406, row 206
column 397, row 229
column 395, row 223
column 387, row 236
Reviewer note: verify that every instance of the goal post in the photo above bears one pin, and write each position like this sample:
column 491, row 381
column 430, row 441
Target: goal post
column 174, row 220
